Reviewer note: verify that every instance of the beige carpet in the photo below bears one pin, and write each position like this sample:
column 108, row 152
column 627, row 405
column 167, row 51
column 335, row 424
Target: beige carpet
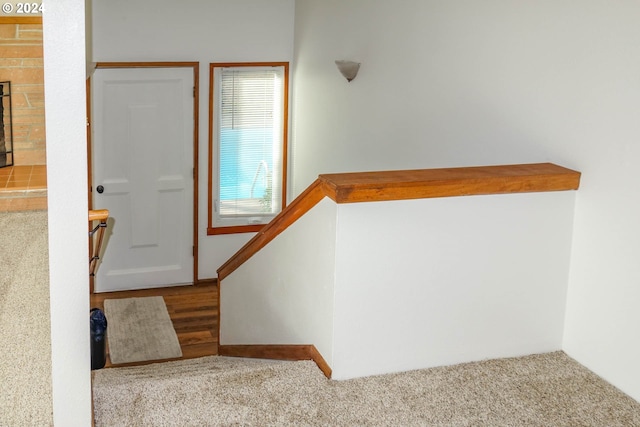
column 25, row 326
column 540, row 390
column 140, row 329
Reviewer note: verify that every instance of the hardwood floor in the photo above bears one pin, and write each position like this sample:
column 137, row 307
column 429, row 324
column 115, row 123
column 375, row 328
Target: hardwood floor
column 194, row 311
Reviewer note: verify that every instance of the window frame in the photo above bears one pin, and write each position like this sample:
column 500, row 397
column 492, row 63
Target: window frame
column 213, row 229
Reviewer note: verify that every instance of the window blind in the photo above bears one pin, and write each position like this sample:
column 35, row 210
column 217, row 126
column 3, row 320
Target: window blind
column 250, row 139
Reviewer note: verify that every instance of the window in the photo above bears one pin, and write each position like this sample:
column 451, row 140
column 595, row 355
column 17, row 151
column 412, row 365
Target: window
column 247, row 145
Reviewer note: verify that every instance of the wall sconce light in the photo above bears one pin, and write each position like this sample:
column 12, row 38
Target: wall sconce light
column 349, row 69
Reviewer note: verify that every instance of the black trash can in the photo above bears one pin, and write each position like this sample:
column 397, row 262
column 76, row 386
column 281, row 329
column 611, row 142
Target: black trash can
column 98, row 338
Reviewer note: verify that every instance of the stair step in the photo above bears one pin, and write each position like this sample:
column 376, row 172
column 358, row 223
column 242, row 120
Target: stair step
column 23, row 193
column 209, row 365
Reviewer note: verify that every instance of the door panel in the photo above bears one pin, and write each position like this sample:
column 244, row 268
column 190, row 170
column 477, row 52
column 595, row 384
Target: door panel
column 143, row 159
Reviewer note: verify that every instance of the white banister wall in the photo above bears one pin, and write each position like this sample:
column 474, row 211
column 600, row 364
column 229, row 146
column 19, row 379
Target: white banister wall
column 284, row 293
column 432, row 282
column 392, row 286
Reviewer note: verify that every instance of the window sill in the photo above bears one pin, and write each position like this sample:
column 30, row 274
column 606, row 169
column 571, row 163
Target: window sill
column 254, row 228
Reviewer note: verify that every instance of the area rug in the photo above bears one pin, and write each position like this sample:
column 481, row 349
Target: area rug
column 140, row 329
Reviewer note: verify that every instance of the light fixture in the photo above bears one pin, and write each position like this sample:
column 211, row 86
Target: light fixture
column 349, row 69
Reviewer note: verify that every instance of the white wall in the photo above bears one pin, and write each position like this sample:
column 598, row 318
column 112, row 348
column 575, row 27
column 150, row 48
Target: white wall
column 440, row 84
column 467, row 82
column 433, row 282
column 198, row 30
column 285, row 293
column 393, row 286
column 64, row 67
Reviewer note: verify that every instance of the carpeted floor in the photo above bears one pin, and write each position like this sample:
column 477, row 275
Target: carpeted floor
column 25, row 343
column 540, row 390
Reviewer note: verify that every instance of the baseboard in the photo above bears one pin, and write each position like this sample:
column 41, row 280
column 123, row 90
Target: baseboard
column 278, row 352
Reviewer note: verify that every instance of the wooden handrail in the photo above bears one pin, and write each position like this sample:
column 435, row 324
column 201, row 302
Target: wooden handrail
column 100, row 215
column 410, row 184
column 302, row 204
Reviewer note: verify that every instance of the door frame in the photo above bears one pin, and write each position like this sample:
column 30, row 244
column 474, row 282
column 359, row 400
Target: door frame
column 196, row 90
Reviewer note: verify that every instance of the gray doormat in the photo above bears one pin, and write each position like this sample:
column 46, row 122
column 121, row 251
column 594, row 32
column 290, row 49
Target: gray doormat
column 140, row 329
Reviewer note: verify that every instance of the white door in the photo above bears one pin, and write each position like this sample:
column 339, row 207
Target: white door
column 142, row 156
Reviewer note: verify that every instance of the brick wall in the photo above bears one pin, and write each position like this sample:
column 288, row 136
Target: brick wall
column 21, row 63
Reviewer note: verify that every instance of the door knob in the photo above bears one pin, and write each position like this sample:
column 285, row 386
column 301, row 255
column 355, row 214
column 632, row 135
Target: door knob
column 100, row 189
